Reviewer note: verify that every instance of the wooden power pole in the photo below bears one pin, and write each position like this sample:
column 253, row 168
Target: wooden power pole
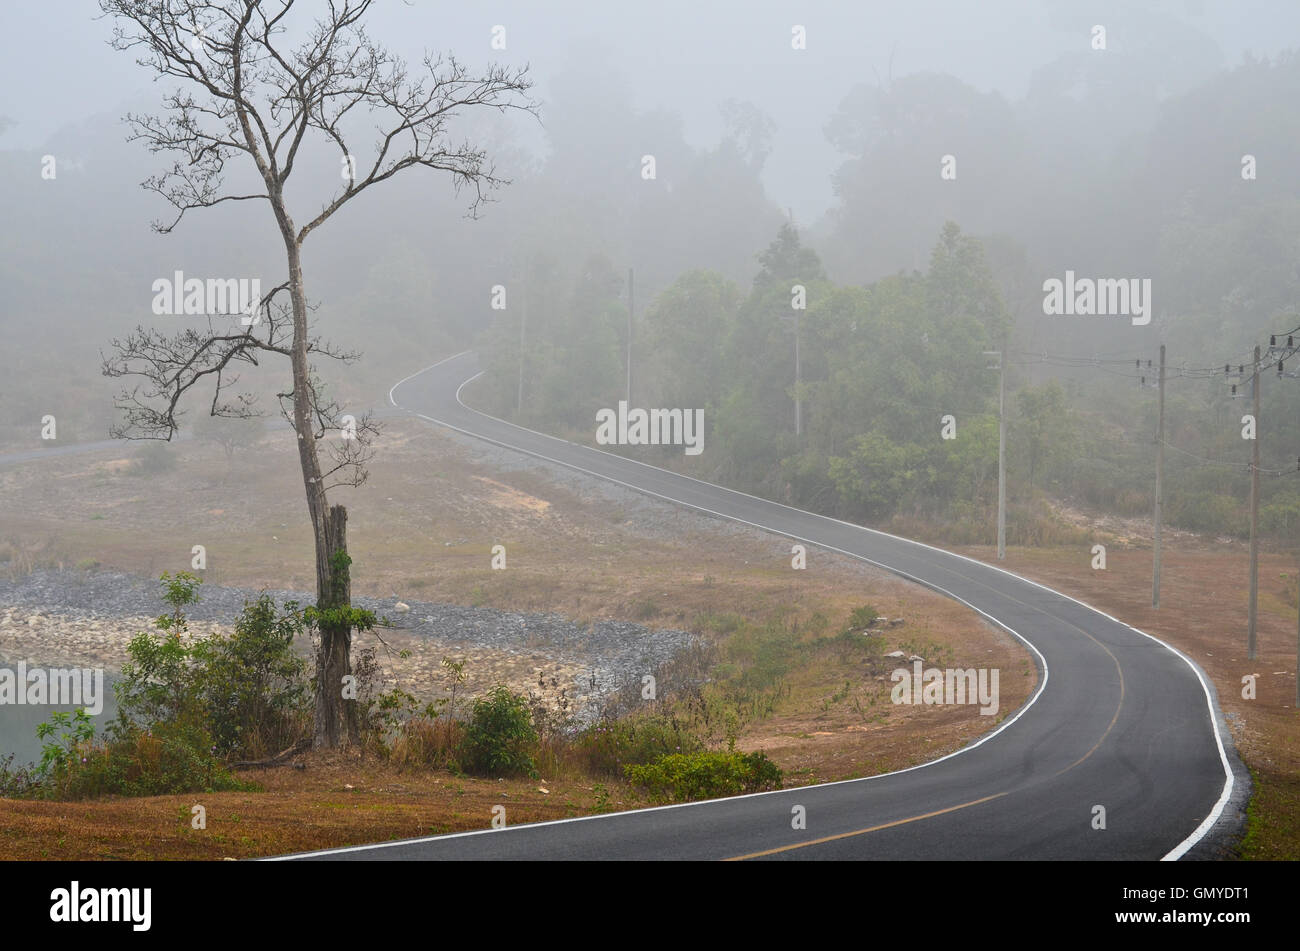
column 523, row 327
column 1160, row 487
column 1002, row 446
column 630, row 307
column 1254, row 520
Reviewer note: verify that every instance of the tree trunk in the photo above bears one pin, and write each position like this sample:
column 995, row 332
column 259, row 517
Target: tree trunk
column 336, row 723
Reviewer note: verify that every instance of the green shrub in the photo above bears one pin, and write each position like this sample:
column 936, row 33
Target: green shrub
column 500, row 739
column 680, row 777
column 172, row 758
column 252, row 686
column 180, row 707
column 168, row 760
column 249, row 690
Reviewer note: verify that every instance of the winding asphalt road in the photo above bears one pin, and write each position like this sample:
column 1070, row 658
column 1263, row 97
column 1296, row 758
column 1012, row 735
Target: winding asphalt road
column 1120, row 720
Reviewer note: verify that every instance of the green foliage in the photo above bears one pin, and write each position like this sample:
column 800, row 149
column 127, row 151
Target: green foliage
column 681, row 777
column 180, row 592
column 878, row 474
column 158, row 680
column 63, row 738
column 1044, row 431
column 340, row 618
column 183, row 705
column 253, row 686
column 500, row 739
column 167, row 760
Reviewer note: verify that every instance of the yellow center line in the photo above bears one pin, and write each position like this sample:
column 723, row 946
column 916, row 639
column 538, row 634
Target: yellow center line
column 974, row 802
column 847, row 835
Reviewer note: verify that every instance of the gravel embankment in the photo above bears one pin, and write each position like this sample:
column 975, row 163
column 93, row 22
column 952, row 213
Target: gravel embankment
column 87, row 618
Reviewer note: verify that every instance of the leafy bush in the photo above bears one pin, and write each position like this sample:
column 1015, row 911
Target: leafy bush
column 159, row 682
column 170, row 759
column 680, row 777
column 253, row 686
column 180, row 706
column 62, row 740
column 167, row 760
column 500, row 739
column 248, row 691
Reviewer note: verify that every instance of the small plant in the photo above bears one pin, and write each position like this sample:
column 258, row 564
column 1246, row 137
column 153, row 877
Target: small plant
column 17, row 782
column 500, row 739
column 456, row 677
column 863, row 618
column 63, row 739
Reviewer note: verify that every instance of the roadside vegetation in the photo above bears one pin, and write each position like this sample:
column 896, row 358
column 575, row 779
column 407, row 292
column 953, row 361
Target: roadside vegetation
column 193, row 711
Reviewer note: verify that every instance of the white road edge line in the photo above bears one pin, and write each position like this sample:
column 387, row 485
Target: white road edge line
column 1173, row 855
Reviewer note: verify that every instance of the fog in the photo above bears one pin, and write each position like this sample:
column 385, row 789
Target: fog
column 1016, row 280
column 923, row 172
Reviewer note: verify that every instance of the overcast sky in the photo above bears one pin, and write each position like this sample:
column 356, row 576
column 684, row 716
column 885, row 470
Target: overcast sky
column 683, row 55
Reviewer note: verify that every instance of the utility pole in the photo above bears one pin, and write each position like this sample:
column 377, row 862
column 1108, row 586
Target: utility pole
column 798, row 380
column 1002, row 453
column 1254, row 521
column 629, row 336
column 523, row 326
column 1002, row 448
column 1160, row 487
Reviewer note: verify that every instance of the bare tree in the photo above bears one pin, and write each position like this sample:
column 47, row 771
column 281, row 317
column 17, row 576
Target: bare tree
column 243, row 92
